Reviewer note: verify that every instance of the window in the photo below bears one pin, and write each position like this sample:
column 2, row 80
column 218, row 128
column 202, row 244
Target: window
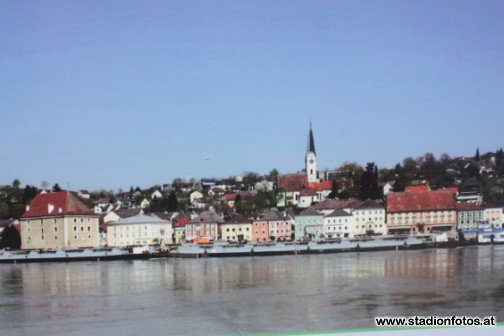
column 89, row 236
column 55, row 237
column 75, row 220
column 55, row 229
column 75, row 237
column 75, row 228
column 55, row 221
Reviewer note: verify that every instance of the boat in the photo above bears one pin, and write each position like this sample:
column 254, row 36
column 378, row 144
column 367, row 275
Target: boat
column 66, row 255
column 223, row 249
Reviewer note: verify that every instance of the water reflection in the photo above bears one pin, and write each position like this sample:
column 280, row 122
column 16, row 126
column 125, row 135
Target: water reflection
column 251, row 294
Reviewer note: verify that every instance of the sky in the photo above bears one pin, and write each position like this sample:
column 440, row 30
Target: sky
column 110, row 94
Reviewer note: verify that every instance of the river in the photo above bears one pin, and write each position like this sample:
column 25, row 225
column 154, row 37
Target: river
column 248, row 294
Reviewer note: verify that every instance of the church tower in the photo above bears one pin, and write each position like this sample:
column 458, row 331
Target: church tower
column 311, row 159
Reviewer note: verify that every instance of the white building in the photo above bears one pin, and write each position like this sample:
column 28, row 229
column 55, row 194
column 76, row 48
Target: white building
column 339, row 224
column 195, row 195
column 139, row 230
column 369, row 218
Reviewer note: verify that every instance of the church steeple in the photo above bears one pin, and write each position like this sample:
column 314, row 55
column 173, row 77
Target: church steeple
column 311, row 143
column 311, row 158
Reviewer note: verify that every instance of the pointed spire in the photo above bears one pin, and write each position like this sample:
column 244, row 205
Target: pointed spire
column 311, row 143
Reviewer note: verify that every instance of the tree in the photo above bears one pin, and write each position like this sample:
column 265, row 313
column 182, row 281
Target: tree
column 409, row 164
column 369, row 183
column 172, row 201
column 29, row 193
column 16, row 183
column 477, row 156
column 10, row 238
column 273, row 175
column 334, row 190
column 56, row 188
column 499, row 162
column 250, row 178
column 351, row 192
column 4, row 210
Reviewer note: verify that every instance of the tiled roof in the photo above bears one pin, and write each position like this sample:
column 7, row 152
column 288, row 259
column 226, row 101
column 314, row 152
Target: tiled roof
column 421, row 201
column 417, row 188
column 468, row 207
column 139, row 219
column 308, row 192
column 310, row 212
column 370, row 204
column 293, row 182
column 238, row 220
column 127, row 212
column 229, row 197
column 338, row 213
column 182, row 222
column 274, row 215
column 60, row 203
column 336, row 204
column 207, row 217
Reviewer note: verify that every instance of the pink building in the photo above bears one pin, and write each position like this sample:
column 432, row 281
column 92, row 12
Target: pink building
column 273, row 226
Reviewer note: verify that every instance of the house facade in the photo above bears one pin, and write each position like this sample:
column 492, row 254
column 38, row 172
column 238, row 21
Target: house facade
column 57, row 220
column 206, row 225
column 369, row 218
column 237, row 229
column 139, row 230
column 469, row 216
column 309, row 224
column 339, row 224
column 425, row 211
column 279, row 225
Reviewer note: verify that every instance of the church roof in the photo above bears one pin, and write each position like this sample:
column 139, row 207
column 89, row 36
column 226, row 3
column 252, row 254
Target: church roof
column 311, row 143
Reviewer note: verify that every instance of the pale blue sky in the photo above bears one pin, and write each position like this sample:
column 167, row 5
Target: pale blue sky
column 118, row 93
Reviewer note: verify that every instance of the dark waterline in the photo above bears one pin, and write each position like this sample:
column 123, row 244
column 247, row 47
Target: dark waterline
column 250, row 294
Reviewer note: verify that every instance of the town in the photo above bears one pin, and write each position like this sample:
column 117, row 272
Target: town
column 459, row 198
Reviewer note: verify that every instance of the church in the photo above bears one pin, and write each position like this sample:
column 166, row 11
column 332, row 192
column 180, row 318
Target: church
column 305, row 188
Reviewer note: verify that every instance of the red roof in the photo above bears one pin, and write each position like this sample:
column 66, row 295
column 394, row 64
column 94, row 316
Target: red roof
column 325, row 185
column 468, row 207
column 229, row 197
column 56, row 204
column 417, row 188
column 293, row 182
column 218, row 190
column 182, row 222
column 308, row 192
column 421, row 201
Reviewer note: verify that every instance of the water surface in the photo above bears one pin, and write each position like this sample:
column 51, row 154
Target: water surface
column 249, row 294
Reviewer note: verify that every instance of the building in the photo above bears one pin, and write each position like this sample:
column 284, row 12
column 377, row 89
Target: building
column 179, row 222
column 84, row 194
column 470, row 194
column 206, row 225
column 329, row 205
column 145, row 203
column 369, row 218
column 469, row 216
column 303, row 189
column 279, row 225
column 115, row 215
column 493, row 214
column 309, row 224
column 421, row 212
column 388, row 187
column 195, row 195
column 339, row 224
column 237, row 229
column 58, row 220
column 139, row 230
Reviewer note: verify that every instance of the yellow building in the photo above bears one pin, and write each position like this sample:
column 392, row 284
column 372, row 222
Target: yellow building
column 58, row 220
column 237, row 229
